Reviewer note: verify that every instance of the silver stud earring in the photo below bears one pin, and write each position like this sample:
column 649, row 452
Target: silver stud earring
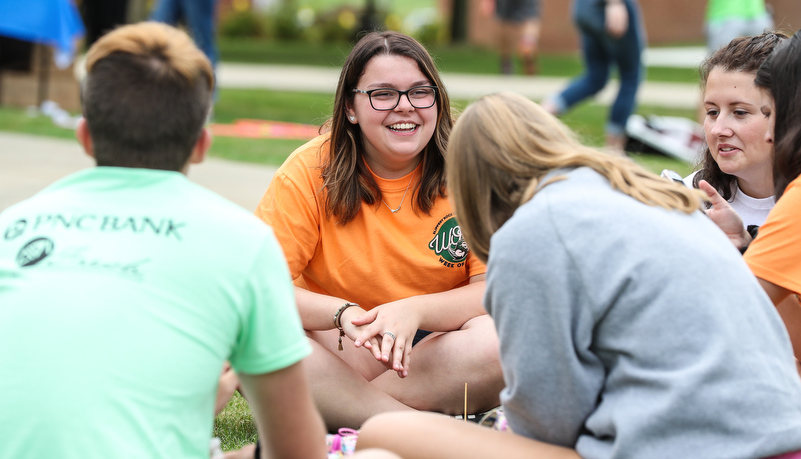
column 352, row 119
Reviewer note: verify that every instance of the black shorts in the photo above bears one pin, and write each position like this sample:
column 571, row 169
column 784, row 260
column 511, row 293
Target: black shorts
column 420, row 335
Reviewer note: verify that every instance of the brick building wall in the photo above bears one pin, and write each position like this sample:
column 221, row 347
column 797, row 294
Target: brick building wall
column 667, row 22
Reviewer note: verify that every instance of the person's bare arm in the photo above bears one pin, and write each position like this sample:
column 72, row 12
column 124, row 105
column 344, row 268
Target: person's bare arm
column 776, row 293
column 409, row 434
column 790, row 311
column 288, row 423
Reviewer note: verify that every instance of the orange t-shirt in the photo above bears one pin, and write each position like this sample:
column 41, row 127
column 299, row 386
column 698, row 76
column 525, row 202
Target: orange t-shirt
column 376, row 258
column 775, row 254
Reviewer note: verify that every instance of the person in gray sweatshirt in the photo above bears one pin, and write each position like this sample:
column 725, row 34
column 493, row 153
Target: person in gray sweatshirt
column 629, row 325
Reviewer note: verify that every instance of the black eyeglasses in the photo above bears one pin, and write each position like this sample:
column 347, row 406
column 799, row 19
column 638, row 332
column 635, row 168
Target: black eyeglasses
column 388, row 99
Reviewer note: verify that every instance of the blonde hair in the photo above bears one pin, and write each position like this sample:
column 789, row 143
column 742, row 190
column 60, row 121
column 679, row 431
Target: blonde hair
column 146, row 96
column 502, row 146
column 175, row 49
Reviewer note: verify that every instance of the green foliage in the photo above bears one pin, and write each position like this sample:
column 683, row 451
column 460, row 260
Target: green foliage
column 338, row 25
column 449, row 58
column 432, row 34
column 251, row 50
column 243, row 24
column 285, row 21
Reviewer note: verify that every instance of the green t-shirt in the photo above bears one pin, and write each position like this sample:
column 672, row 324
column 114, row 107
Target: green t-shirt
column 720, row 10
column 122, row 292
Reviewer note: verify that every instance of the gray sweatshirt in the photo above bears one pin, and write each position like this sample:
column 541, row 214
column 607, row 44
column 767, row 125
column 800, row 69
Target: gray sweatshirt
column 628, row 330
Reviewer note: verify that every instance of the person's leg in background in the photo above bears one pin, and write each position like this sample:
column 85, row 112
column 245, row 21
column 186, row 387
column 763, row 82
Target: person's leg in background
column 528, row 45
column 627, row 53
column 201, row 19
column 101, row 16
column 518, row 32
column 167, row 11
column 509, row 29
column 508, row 37
column 596, row 74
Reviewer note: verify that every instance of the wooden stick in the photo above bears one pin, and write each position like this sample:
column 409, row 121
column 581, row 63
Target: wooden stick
column 465, row 401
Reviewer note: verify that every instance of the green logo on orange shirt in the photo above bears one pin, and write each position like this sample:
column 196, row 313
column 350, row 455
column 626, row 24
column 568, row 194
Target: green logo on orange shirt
column 448, row 242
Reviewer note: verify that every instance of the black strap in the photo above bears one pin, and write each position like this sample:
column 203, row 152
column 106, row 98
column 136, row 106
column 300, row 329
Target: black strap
column 753, row 230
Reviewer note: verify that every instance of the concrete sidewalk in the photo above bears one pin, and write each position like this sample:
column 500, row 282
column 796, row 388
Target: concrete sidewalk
column 30, row 163
column 460, row 86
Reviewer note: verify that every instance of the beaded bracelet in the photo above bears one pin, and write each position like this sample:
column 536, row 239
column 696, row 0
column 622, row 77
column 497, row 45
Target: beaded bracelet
column 338, row 321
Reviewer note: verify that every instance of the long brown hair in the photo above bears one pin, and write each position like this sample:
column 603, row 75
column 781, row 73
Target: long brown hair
column 346, row 178
column 781, row 74
column 502, row 146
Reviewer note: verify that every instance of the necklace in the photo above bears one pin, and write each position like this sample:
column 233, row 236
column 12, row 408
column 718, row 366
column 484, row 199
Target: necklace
column 402, row 199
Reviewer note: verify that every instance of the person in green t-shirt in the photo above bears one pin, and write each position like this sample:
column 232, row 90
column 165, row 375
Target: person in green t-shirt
column 728, row 19
column 124, row 288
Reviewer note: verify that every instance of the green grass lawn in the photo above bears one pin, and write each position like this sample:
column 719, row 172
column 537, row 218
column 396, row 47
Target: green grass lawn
column 587, row 120
column 313, row 108
column 449, row 59
column 235, row 425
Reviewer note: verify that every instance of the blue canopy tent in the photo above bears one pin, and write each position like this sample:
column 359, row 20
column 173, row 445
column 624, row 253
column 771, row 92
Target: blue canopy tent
column 54, row 23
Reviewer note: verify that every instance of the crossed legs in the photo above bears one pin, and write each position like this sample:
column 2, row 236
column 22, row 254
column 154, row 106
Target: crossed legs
column 350, row 386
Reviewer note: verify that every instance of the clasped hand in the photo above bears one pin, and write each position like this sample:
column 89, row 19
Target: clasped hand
column 724, row 216
column 387, row 331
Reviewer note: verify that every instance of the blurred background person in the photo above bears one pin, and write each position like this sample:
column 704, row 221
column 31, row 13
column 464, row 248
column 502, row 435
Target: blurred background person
column 518, row 32
column 101, row 16
column 643, row 355
column 199, row 17
column 612, row 35
column 134, row 272
column 728, row 19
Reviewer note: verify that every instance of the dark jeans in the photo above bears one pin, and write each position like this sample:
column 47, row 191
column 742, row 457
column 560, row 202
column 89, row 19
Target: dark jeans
column 600, row 52
column 101, row 16
column 199, row 18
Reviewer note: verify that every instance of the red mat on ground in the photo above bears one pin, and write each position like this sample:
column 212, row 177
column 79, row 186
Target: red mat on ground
column 262, row 129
